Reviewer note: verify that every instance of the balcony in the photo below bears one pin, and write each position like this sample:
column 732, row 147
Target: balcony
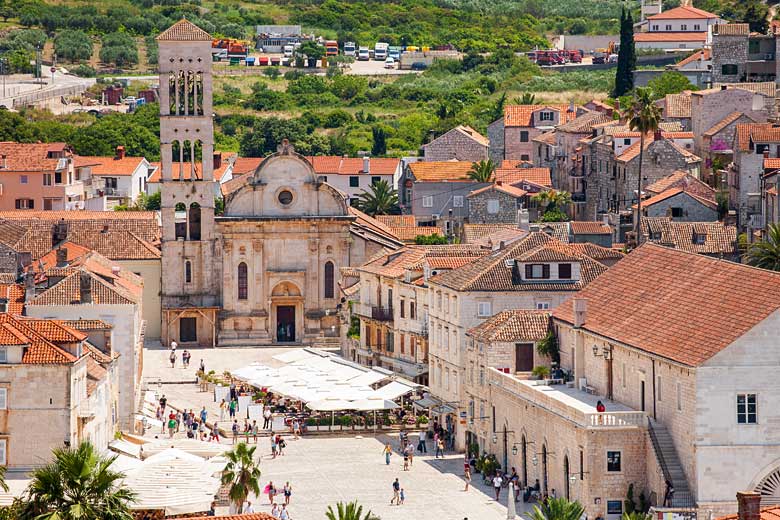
column 406, row 367
column 382, row 313
column 570, row 403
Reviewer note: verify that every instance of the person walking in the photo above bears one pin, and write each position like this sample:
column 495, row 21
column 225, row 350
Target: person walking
column 410, row 451
column 202, row 366
column 275, row 511
column 396, row 492
column 185, row 358
column 387, row 451
column 234, row 428
column 439, row 449
column 497, row 481
column 270, row 491
column 173, row 346
column 287, row 493
column 232, row 408
column 401, row 496
column 296, row 426
column 248, row 507
column 406, row 459
column 222, row 410
column 255, row 430
column 171, row 426
column 421, row 443
column 280, row 444
column 267, row 415
column 284, row 514
column 467, row 477
column 273, row 446
column 172, row 358
column 163, row 403
column 203, row 415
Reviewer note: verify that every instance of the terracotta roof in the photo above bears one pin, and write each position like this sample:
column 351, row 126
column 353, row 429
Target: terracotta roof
column 87, row 325
column 491, row 273
column 597, row 252
column 557, row 230
column 512, row 325
column 109, row 165
column 441, row 171
column 652, row 300
column 684, row 180
column 683, row 13
column 704, row 54
column 242, row 165
column 31, row 157
column 395, row 264
column 723, row 123
column 466, row 131
column 544, row 253
column 55, row 331
column 522, row 115
column 506, row 236
column 67, row 292
column 632, row 152
column 234, row 184
column 448, row 262
column 338, row 165
column 765, row 134
column 372, row 229
column 513, row 176
column 409, row 233
column 41, row 350
column 474, row 232
column 499, row 186
column 673, row 192
column 744, row 132
column 397, row 220
column 584, row 123
column 546, row 138
column 95, row 374
column 766, row 88
column 115, row 245
column 11, row 233
column 77, row 215
column 772, row 163
column 648, row 37
column 719, row 239
column 731, row 29
column 13, row 294
column 182, row 31
column 766, row 513
column 186, row 169
column 585, row 227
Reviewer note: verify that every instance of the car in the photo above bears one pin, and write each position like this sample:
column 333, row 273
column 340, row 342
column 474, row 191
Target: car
column 613, row 58
column 419, row 65
column 389, row 63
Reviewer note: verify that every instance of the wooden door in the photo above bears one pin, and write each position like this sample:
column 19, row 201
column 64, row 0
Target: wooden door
column 188, row 330
column 524, row 357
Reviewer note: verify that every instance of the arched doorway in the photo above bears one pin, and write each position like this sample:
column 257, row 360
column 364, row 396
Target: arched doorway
column 566, row 474
column 769, row 487
column 525, row 462
column 286, row 312
column 544, row 469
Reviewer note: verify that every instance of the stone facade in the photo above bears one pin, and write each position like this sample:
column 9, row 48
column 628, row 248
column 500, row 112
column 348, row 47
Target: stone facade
column 495, row 131
column 712, row 106
column 460, row 144
column 729, row 58
column 682, row 208
column 481, row 207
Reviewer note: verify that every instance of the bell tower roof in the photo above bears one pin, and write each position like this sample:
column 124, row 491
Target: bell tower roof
column 184, row 31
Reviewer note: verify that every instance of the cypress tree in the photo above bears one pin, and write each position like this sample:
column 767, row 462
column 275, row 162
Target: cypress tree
column 624, row 77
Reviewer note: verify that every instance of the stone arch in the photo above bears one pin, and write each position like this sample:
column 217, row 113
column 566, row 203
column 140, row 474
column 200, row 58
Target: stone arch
column 769, row 487
column 180, row 220
column 566, row 474
column 194, row 221
column 283, row 289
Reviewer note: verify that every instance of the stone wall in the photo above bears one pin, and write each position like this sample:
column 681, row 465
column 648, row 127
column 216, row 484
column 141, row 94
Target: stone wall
column 711, row 108
column 692, row 209
column 454, row 145
column 495, row 134
column 507, row 208
column 514, row 147
column 729, row 50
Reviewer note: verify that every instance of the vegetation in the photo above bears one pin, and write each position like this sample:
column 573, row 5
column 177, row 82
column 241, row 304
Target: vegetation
column 541, row 371
column 482, row 171
column 120, row 49
column 553, row 204
column 380, row 199
column 645, row 118
column 242, row 474
column 144, row 202
column 430, row 240
column 549, row 347
column 624, row 77
column 349, row 511
column 766, row 253
column 77, row 485
column 669, row 82
column 73, row 45
column 557, row 509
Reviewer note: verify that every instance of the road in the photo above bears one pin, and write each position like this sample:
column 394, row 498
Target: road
column 25, row 88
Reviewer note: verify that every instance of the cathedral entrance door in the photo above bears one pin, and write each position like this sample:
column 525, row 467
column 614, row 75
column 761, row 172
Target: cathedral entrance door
column 285, row 323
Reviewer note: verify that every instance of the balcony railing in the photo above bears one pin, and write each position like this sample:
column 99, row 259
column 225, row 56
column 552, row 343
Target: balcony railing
column 382, row 313
column 615, row 419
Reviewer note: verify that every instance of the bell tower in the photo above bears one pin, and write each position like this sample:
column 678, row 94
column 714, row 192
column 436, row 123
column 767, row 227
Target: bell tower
column 190, row 293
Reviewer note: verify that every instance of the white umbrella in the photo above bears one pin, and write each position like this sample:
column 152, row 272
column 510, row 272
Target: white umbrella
column 173, row 454
column 176, row 486
column 373, row 404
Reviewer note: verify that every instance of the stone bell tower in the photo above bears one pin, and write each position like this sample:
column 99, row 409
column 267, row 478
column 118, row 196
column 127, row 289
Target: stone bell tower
column 190, row 292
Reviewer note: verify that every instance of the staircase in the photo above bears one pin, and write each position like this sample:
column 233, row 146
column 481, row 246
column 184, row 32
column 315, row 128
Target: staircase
column 670, row 465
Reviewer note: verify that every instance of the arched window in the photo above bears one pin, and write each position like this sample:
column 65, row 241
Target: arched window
column 194, row 221
column 180, row 220
column 329, row 290
column 242, row 281
column 187, row 271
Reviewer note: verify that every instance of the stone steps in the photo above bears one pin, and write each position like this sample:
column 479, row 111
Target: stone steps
column 670, row 460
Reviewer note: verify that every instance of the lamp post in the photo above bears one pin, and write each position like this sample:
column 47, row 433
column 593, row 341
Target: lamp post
column 506, row 451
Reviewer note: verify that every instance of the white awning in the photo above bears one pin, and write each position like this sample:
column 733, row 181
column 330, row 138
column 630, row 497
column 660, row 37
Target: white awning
column 176, row 486
column 393, row 390
column 330, row 405
column 374, row 404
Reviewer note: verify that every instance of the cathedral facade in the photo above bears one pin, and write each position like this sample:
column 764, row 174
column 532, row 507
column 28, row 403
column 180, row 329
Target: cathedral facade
column 267, row 270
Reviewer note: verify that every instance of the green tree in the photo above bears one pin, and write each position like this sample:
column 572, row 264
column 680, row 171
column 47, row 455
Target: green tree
column 242, row 474
column 624, row 77
column 73, row 45
column 525, row 99
column 311, row 51
column 379, row 139
column 497, row 112
column 557, row 509
column 119, row 48
column 380, row 199
column 430, row 240
column 350, row 511
column 645, row 118
column 482, row 171
column 636, row 515
column 77, row 485
column 670, row 82
column 753, row 13
column 766, row 253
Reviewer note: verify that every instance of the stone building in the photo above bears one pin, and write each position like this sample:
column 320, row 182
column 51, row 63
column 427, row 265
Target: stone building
column 753, row 144
column 739, row 55
column 714, row 239
column 680, row 205
column 496, row 203
column 462, row 143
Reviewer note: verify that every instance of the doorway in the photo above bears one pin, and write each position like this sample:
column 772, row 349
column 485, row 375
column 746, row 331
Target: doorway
column 642, row 395
column 188, row 330
column 285, row 323
column 566, row 475
column 524, row 357
column 544, row 469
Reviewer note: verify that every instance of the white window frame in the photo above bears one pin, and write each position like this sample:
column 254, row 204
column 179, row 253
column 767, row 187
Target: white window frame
column 3, row 399
column 547, row 116
column 484, row 309
column 542, row 306
column 493, row 206
column 3, row 452
column 746, row 396
column 457, row 201
column 47, row 179
column 427, row 201
column 24, row 179
column 3, row 354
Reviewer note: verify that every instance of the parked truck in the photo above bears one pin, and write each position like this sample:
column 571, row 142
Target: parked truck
column 363, row 54
column 331, row 48
column 394, row 52
column 349, row 48
column 380, row 51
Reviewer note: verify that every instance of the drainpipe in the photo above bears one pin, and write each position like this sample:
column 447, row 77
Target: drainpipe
column 654, row 398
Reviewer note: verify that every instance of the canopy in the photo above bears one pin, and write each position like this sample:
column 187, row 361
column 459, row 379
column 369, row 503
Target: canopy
column 374, row 404
column 330, row 405
column 123, row 446
column 124, row 464
column 393, row 390
column 174, row 454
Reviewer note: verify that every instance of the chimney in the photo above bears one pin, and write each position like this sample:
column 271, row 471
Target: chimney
column 748, row 505
column 366, row 164
column 85, row 287
column 499, row 183
column 120, row 152
column 757, row 104
column 523, row 220
column 62, row 257
column 571, row 106
column 29, row 286
column 766, row 154
column 115, row 270
column 217, row 160
column 580, row 306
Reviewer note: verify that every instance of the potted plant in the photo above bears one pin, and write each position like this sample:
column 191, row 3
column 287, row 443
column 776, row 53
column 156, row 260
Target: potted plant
column 541, row 372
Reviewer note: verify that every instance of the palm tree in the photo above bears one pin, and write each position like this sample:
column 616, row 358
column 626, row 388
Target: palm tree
column 78, row 484
column 380, row 200
column 526, row 99
column 482, row 171
column 645, row 118
column 242, row 474
column 552, row 201
column 557, row 509
column 350, row 511
column 766, row 253
column 636, row 515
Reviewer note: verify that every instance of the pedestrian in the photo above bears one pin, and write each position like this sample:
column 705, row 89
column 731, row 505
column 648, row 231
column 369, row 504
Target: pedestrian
column 163, row 403
column 267, row 418
column 600, row 408
column 396, row 492
column 222, row 410
column 296, row 424
column 269, row 490
column 202, row 366
column 248, row 508
column 406, row 460
column 179, row 418
column 284, row 514
column 669, row 494
column 410, row 451
column 387, row 451
column 233, row 394
column 255, row 430
column 273, row 446
column 272, row 493
column 171, row 427
column 203, row 415
column 287, row 493
column 232, row 408
column 421, row 443
column 467, row 477
column 497, row 481
column 172, row 358
column 401, row 496
column 173, row 346
column 439, row 449
column 235, row 431
column 275, row 511
column 280, row 444
column 185, row 358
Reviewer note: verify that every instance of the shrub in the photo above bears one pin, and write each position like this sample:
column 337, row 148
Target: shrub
column 272, row 72
column 73, row 45
column 120, row 49
column 541, row 371
column 83, row 71
column 337, row 118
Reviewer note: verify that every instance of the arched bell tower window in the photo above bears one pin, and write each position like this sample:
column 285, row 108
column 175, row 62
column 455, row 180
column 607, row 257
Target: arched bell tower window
column 194, row 221
column 187, row 271
column 180, row 221
column 242, row 282
column 329, row 279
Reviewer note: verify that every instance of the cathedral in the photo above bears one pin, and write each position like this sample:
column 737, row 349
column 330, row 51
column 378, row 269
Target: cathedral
column 265, row 272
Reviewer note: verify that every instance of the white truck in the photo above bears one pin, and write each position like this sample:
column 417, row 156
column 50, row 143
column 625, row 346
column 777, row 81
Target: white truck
column 363, row 54
column 349, row 48
column 288, row 51
column 380, row 51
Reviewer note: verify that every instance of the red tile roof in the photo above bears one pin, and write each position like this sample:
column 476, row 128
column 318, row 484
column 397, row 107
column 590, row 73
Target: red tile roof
column 652, row 300
column 522, row 115
column 184, row 30
column 13, row 293
column 441, row 171
column 772, row 163
column 30, row 157
column 731, row 29
column 704, row 54
column 539, row 176
column 110, row 165
column 395, row 264
column 185, row 168
column 682, row 179
column 597, row 252
column 766, row 513
column 409, row 233
column 723, row 123
column 243, row 165
column 649, row 37
column 512, row 325
column 584, row 227
column 673, row 192
column 338, row 165
column 719, row 239
column 397, row 220
column 474, row 232
column 42, row 349
column 499, row 186
column 683, row 13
